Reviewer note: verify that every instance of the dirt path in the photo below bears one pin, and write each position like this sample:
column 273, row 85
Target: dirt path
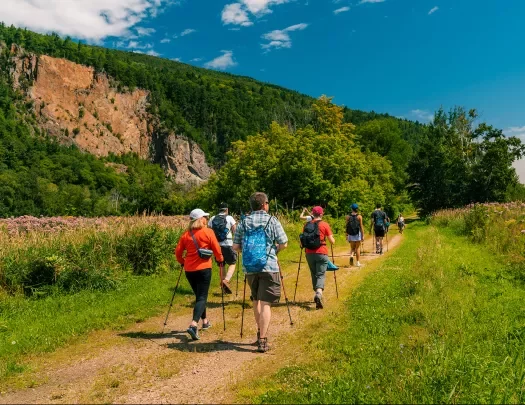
column 143, row 365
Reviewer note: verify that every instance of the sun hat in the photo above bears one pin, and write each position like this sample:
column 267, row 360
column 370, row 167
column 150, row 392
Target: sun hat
column 308, row 218
column 317, row 210
column 355, row 207
column 198, row 213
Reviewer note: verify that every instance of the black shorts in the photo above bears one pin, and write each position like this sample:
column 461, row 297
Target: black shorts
column 379, row 232
column 230, row 255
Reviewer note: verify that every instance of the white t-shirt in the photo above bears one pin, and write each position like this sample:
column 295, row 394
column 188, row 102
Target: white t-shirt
column 229, row 223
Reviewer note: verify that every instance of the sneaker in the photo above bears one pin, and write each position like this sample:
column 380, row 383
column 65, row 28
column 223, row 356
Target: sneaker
column 351, row 260
column 262, row 346
column 226, row 287
column 206, row 325
column 318, row 301
column 193, row 332
column 358, row 264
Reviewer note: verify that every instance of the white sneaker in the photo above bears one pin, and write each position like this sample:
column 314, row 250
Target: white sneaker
column 358, row 264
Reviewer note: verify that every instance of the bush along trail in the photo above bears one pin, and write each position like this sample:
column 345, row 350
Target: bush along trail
column 141, row 364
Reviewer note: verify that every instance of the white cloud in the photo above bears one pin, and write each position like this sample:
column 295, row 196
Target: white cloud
column 137, row 45
column 153, row 53
column 235, row 14
column 433, row 10
column 239, row 13
column 196, row 60
column 144, row 32
column 222, row 62
column 92, row 20
column 175, row 59
column 341, row 10
column 371, row 1
column 187, row 31
column 281, row 38
column 422, row 115
column 165, row 41
column 518, row 132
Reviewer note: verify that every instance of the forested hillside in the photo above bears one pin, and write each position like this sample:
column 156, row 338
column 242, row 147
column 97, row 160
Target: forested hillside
column 213, row 108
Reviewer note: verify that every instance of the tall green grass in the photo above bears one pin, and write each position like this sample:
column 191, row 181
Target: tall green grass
column 439, row 322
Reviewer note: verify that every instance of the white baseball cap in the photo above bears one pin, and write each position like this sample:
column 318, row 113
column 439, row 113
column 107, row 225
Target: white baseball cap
column 198, row 213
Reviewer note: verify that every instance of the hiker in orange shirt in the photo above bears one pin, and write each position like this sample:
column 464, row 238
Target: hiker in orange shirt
column 200, row 244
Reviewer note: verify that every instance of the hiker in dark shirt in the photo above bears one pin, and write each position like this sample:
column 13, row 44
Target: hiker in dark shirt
column 355, row 233
column 379, row 225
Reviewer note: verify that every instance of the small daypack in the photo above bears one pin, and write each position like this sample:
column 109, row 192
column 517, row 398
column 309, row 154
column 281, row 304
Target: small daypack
column 380, row 220
column 311, row 237
column 219, row 226
column 254, row 254
column 352, row 226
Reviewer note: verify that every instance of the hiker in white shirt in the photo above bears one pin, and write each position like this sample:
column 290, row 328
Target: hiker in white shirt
column 224, row 227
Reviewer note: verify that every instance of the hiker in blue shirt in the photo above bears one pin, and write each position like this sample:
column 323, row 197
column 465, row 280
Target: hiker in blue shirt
column 264, row 279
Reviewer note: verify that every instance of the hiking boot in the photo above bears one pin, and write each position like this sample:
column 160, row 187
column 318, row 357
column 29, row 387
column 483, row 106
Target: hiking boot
column 262, row 346
column 351, row 260
column 193, row 332
column 226, row 287
column 206, row 325
column 318, row 301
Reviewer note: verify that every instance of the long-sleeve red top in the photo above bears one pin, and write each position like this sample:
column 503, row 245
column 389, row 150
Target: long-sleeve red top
column 205, row 239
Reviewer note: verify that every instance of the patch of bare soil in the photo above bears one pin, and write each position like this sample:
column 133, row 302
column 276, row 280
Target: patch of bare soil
column 144, row 365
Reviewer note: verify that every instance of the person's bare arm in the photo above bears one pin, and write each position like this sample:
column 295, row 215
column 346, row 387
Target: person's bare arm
column 360, row 217
column 237, row 247
column 281, row 246
column 331, row 239
column 302, row 216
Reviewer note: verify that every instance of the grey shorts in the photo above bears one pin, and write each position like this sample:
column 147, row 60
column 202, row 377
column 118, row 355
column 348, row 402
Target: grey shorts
column 265, row 287
column 230, row 255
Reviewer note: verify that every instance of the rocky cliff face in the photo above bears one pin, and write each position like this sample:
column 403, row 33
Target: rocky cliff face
column 78, row 106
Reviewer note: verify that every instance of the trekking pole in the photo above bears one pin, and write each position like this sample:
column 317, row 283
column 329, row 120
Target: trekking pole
column 335, row 277
column 221, row 269
column 298, row 269
column 172, row 298
column 243, row 300
column 237, row 287
column 285, row 296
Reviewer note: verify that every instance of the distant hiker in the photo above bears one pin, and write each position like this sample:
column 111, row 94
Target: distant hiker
column 197, row 242
column 379, row 220
column 308, row 217
column 224, row 226
column 355, row 234
column 313, row 239
column 400, row 222
column 260, row 237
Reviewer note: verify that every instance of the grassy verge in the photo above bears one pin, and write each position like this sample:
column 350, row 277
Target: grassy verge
column 439, row 321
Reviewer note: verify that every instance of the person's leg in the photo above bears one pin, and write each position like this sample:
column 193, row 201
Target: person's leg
column 231, row 270
column 311, row 260
column 358, row 252
column 201, row 293
column 352, row 250
column 265, row 315
column 230, row 257
column 193, row 280
column 253, row 281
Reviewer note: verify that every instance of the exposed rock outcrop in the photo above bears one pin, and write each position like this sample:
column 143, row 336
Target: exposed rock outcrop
column 80, row 106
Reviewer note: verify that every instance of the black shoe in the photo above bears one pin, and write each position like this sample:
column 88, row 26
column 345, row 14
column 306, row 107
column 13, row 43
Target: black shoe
column 351, row 260
column 318, row 301
column 381, row 251
column 193, row 332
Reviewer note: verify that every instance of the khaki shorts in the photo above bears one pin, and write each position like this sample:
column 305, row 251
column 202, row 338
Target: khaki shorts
column 265, row 287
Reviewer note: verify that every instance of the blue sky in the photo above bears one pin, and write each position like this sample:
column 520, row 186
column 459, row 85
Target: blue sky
column 403, row 57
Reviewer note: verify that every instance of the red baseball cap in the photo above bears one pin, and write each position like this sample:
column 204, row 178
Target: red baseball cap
column 317, row 210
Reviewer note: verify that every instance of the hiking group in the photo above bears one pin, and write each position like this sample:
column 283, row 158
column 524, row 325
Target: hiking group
column 258, row 238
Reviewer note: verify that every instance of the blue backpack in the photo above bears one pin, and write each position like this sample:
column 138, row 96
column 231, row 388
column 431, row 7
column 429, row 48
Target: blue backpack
column 254, row 254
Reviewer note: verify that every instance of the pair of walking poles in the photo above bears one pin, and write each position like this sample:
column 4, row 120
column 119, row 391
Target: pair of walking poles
column 299, row 269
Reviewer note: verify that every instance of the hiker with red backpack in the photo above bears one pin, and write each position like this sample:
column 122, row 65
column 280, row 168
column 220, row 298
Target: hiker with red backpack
column 313, row 239
column 223, row 225
column 260, row 236
column 200, row 244
column 355, row 234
